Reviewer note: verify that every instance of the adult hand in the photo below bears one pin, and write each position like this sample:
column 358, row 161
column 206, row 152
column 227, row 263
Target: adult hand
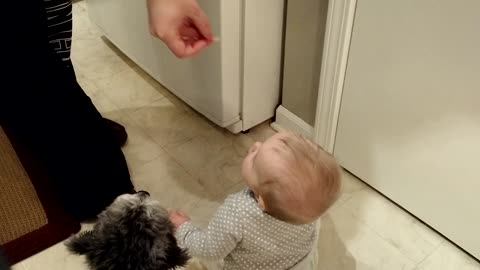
column 181, row 25
column 178, row 217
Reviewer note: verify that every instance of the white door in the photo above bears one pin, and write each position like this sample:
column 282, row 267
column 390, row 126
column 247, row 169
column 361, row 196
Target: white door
column 410, row 114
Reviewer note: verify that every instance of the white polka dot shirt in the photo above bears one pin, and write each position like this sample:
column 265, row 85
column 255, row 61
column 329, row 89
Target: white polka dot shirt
column 245, row 237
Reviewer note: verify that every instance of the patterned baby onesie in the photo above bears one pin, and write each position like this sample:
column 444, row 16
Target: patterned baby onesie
column 245, row 237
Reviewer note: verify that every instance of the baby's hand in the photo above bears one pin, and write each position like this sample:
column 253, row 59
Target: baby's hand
column 178, row 217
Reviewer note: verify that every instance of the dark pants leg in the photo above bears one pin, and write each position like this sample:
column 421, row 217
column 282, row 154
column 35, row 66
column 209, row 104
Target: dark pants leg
column 3, row 262
column 42, row 104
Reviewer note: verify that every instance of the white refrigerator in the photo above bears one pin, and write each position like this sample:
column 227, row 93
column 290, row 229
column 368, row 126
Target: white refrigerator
column 235, row 82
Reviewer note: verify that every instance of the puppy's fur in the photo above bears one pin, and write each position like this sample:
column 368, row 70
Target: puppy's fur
column 133, row 233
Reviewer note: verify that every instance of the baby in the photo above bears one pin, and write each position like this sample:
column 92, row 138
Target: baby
column 271, row 225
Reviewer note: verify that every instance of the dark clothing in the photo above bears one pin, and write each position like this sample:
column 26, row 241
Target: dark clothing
column 3, row 262
column 59, row 27
column 42, row 104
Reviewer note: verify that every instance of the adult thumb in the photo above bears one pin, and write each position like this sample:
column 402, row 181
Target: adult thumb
column 200, row 20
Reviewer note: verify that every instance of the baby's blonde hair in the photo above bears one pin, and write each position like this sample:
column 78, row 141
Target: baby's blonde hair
column 305, row 186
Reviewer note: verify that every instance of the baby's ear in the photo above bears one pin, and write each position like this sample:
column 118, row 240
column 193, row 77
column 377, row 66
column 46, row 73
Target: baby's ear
column 81, row 243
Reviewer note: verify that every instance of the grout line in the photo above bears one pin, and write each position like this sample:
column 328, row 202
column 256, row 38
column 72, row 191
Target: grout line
column 427, row 256
column 388, row 241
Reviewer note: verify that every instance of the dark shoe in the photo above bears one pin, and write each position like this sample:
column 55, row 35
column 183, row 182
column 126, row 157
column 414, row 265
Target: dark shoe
column 118, row 131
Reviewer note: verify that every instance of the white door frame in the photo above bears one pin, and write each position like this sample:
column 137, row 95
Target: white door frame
column 338, row 34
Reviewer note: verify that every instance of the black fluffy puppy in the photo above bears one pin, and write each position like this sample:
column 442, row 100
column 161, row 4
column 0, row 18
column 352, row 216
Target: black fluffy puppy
column 133, row 233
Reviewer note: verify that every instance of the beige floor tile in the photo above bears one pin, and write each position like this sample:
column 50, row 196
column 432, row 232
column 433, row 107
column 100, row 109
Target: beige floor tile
column 402, row 230
column 55, row 258
column 350, row 186
column 234, row 189
column 200, row 212
column 212, row 154
column 74, row 262
column 178, row 102
column 103, row 103
column 219, row 138
column 99, row 99
column 194, row 264
column 18, row 266
column 165, row 122
column 80, row 3
column 188, row 124
column 140, row 148
column 168, row 183
column 46, row 258
column 203, row 210
column 83, row 28
column 332, row 250
column 97, row 58
column 87, row 85
column 449, row 257
column 217, row 169
column 87, row 226
column 131, row 89
column 262, row 132
column 346, row 241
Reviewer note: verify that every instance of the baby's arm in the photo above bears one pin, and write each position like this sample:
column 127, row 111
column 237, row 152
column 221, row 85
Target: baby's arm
column 221, row 236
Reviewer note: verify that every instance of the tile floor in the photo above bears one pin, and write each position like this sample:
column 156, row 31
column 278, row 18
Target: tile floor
column 186, row 162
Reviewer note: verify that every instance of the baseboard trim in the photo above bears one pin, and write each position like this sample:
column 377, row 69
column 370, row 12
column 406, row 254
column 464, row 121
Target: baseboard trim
column 288, row 121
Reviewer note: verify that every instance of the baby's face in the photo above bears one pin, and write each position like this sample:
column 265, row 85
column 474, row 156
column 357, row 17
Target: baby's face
column 263, row 159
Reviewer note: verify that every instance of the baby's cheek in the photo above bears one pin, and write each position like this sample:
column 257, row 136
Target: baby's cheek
column 244, row 166
column 244, row 172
